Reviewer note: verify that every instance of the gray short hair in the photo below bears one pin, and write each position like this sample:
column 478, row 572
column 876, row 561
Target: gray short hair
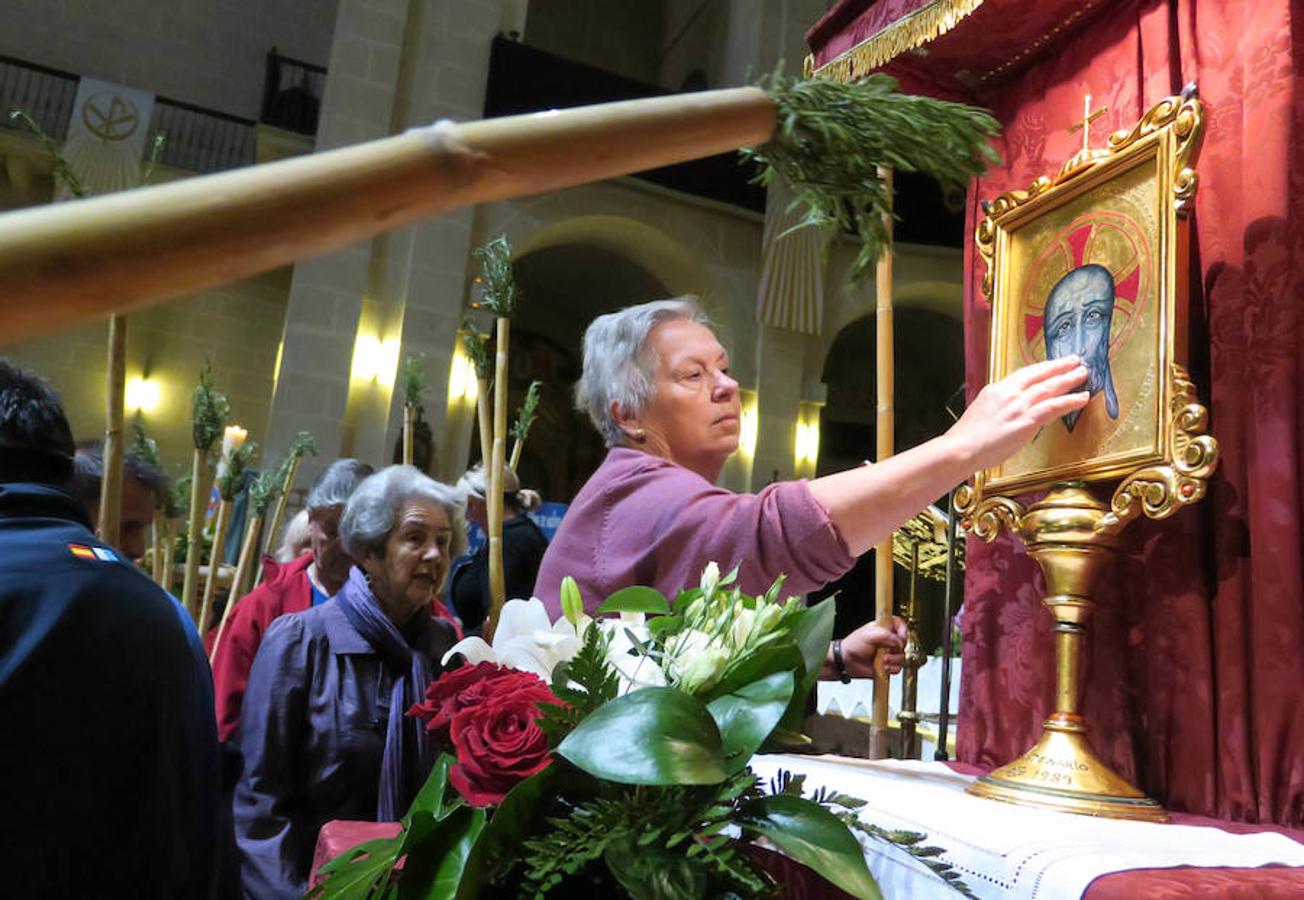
column 336, row 484
column 373, row 510
column 618, row 367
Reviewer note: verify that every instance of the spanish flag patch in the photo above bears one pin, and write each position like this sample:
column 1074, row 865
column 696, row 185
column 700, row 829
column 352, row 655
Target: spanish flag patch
column 82, row 551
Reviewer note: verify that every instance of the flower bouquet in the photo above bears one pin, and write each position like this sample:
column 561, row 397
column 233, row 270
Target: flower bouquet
column 610, row 758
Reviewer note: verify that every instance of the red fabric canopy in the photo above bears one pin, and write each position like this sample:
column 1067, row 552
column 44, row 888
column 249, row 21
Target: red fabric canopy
column 1195, row 662
column 984, row 48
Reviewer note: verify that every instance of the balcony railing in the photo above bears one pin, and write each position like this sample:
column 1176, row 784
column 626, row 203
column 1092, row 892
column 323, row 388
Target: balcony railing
column 196, row 139
column 292, row 93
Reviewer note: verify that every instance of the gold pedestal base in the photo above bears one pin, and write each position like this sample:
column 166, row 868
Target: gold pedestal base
column 1061, row 772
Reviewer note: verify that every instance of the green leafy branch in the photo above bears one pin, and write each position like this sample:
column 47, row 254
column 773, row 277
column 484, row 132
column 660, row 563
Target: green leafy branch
column 62, row 170
column 208, row 411
column 666, row 842
column 144, row 446
column 150, row 166
column 473, row 345
column 175, row 500
column 832, row 137
column 526, row 415
column 232, row 478
column 413, row 380
column 265, row 488
column 60, row 167
column 500, row 290
column 582, row 683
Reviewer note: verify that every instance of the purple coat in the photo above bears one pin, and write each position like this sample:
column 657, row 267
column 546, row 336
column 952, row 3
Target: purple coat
column 642, row 519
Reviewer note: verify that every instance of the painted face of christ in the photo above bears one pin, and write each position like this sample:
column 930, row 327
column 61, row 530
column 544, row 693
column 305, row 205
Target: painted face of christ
column 1077, row 316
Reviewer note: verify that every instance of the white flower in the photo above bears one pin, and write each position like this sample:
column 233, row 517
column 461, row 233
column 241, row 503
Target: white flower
column 635, row 669
column 524, row 640
column 744, row 620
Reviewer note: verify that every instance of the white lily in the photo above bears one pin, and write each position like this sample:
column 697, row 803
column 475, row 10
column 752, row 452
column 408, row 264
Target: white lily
column 635, row 669
column 524, row 640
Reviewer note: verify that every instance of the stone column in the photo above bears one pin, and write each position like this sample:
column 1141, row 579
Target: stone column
column 393, row 64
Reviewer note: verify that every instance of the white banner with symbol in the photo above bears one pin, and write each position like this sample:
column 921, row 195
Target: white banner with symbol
column 107, row 136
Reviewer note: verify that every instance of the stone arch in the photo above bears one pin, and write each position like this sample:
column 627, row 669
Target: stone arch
column 681, row 245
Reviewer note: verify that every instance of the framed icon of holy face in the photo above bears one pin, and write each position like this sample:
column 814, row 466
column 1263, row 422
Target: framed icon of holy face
column 1092, row 262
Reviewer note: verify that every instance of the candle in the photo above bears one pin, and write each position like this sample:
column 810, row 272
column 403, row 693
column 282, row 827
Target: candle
column 233, row 439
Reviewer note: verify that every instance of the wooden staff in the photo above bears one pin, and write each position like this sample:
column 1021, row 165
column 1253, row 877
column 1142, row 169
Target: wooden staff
column 278, row 511
column 111, row 459
column 194, row 529
column 409, row 432
column 243, row 566
column 878, row 729
column 169, row 549
column 214, row 563
column 156, row 548
column 493, row 477
column 486, row 424
column 139, row 247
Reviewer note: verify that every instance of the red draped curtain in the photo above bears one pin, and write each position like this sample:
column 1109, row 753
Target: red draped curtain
column 1195, row 662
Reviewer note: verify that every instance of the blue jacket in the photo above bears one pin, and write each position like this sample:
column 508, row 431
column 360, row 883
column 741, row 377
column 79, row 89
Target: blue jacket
column 312, row 735
column 109, row 773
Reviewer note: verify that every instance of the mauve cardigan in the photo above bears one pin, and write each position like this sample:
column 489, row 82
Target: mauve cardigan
column 641, row 519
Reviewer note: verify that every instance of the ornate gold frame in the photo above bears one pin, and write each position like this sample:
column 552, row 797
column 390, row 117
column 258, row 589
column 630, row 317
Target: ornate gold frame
column 1168, row 138
column 1070, row 532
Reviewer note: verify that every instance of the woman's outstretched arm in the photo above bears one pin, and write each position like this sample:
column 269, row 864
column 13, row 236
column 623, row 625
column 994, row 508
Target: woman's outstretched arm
column 868, row 503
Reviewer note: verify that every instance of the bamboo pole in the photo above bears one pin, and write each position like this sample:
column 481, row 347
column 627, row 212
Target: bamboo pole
column 409, row 433
column 278, row 513
column 156, row 550
column 169, row 550
column 110, row 519
column 194, row 527
column 135, row 248
column 494, row 481
column 517, row 446
column 486, row 423
column 878, row 728
column 214, row 564
column 242, row 567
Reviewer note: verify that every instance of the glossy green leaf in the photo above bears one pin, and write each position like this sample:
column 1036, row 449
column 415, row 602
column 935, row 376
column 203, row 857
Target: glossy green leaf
column 747, row 716
column 433, row 798
column 438, row 856
column 814, row 837
column 636, row 599
column 517, row 818
column 686, row 597
column 655, row 736
column 757, row 664
column 812, row 632
column 358, row 873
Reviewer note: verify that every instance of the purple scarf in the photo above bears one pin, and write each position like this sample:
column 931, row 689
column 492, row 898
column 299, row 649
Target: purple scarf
column 408, row 757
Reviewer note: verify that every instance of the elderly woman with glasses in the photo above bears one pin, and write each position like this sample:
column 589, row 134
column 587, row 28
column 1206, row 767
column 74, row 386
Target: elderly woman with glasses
column 323, row 730
column 656, row 385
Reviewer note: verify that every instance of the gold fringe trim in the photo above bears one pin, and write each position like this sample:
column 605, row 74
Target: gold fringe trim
column 906, row 33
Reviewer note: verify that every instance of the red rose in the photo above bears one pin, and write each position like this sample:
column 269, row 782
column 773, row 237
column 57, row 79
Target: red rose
column 498, row 740
column 454, row 691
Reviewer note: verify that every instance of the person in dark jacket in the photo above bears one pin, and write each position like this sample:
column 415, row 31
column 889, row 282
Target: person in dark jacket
column 524, row 544
column 108, row 751
column 308, row 581
column 323, row 729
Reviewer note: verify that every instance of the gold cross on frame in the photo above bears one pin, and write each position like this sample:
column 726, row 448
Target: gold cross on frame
column 1088, row 116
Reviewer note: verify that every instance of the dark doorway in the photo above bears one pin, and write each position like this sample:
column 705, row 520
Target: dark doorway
column 563, row 289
